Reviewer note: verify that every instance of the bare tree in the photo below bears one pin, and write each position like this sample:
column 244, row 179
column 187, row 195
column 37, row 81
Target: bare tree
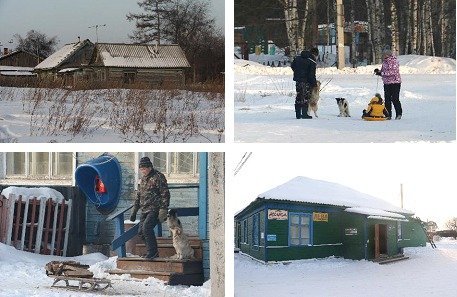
column 37, row 43
column 395, row 45
column 452, row 224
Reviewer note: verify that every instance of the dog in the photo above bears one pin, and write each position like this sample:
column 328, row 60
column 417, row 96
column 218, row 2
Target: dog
column 314, row 98
column 180, row 240
column 343, row 106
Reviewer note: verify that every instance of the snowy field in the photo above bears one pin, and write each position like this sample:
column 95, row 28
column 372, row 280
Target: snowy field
column 264, row 104
column 110, row 115
column 428, row 272
column 23, row 274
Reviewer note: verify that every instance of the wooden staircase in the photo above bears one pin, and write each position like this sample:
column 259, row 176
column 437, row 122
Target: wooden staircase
column 172, row 271
column 387, row 260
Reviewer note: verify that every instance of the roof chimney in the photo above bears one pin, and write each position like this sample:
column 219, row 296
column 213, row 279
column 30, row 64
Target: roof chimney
column 5, row 51
column 79, row 38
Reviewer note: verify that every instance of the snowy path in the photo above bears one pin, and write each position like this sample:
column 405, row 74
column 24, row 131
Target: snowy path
column 428, row 272
column 264, row 109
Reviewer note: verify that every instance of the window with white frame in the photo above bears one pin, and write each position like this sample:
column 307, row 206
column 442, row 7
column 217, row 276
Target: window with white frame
column 299, row 229
column 176, row 166
column 48, row 165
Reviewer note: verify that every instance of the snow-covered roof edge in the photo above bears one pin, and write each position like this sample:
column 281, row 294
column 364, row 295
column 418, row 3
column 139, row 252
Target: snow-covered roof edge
column 58, row 57
column 303, row 189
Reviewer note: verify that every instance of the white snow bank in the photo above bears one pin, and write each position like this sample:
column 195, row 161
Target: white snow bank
column 29, row 193
column 427, row 272
column 409, row 64
column 310, row 190
column 23, row 274
column 374, row 212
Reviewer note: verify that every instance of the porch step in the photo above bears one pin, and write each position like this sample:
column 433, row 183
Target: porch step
column 391, row 259
column 160, row 265
column 173, row 272
column 171, row 278
column 166, row 249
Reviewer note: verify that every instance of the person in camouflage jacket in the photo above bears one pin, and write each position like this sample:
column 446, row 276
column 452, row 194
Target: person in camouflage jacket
column 153, row 199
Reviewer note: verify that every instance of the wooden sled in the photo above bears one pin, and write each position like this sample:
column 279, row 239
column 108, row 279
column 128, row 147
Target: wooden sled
column 83, row 284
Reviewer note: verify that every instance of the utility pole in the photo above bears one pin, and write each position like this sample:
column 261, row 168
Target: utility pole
column 96, row 29
column 401, row 195
column 340, row 32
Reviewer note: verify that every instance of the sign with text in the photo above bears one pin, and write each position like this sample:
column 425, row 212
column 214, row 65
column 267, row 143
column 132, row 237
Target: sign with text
column 350, row 231
column 320, row 217
column 277, row 214
column 271, row 237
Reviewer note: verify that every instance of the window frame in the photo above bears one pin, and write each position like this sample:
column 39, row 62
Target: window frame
column 310, row 227
column 245, row 231
column 28, row 178
column 179, row 178
column 256, row 233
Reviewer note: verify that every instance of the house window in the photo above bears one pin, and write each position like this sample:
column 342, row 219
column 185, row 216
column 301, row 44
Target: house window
column 399, row 236
column 300, row 229
column 245, row 231
column 255, row 230
column 177, row 167
column 129, row 77
column 39, row 165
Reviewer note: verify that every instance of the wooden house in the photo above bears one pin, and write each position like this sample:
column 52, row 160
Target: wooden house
column 20, row 58
column 71, row 58
column 306, row 218
column 188, row 176
column 150, row 65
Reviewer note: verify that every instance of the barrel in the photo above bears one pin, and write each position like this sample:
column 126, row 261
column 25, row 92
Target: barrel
column 100, row 180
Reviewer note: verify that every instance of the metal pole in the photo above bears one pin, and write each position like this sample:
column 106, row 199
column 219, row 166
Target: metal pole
column 401, row 195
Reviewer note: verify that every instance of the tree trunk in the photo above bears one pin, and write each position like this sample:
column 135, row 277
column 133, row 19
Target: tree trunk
column 395, row 47
column 353, row 45
column 414, row 28
column 291, row 19
column 430, row 27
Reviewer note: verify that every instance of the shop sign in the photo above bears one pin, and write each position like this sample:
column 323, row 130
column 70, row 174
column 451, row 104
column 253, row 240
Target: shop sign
column 320, row 217
column 277, row 214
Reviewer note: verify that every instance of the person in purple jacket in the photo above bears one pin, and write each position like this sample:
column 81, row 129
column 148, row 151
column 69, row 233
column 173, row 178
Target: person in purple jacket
column 390, row 73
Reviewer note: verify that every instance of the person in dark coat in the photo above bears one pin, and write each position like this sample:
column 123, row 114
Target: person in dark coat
column 304, row 67
column 153, row 199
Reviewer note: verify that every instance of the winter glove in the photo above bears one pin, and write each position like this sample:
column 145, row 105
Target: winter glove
column 163, row 215
column 133, row 215
column 377, row 72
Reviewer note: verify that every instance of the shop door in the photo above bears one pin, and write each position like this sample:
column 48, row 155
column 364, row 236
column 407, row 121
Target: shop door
column 380, row 240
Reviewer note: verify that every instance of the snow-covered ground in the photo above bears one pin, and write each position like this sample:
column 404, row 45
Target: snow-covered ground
column 111, row 115
column 428, row 272
column 23, row 274
column 264, row 98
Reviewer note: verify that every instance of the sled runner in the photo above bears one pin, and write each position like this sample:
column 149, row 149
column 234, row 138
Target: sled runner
column 82, row 284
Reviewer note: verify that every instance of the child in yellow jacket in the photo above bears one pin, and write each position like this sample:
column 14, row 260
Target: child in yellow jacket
column 376, row 109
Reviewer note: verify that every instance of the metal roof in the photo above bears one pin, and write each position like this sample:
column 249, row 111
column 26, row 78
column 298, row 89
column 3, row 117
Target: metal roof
column 61, row 55
column 141, row 55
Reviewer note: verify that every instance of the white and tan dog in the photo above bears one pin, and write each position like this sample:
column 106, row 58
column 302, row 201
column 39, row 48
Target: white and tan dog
column 180, row 240
column 343, row 106
column 314, row 99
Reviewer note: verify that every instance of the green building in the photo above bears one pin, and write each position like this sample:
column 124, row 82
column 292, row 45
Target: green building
column 306, row 218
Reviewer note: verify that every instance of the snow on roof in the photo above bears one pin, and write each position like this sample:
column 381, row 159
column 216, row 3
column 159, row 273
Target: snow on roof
column 386, row 218
column 67, row 70
column 17, row 73
column 15, row 68
column 39, row 193
column 374, row 212
column 61, row 55
column 142, row 56
column 309, row 190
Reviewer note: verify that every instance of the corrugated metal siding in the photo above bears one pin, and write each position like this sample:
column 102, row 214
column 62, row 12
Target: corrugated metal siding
column 141, row 56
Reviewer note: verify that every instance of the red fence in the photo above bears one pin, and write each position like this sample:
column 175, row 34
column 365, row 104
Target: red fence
column 35, row 225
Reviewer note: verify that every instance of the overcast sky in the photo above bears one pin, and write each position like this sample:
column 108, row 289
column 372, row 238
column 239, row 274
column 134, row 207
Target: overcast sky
column 427, row 172
column 68, row 19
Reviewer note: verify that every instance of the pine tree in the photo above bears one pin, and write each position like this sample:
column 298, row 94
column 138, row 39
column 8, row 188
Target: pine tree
column 149, row 23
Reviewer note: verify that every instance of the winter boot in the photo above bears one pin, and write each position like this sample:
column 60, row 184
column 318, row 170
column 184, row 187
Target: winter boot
column 298, row 110
column 304, row 112
column 398, row 117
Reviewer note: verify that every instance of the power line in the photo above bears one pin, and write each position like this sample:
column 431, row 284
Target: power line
column 242, row 162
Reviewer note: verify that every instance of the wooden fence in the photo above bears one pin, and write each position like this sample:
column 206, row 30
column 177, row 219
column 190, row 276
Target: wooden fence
column 35, row 225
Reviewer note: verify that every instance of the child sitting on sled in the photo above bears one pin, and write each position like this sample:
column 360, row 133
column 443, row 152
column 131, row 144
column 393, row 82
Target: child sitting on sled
column 376, row 111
